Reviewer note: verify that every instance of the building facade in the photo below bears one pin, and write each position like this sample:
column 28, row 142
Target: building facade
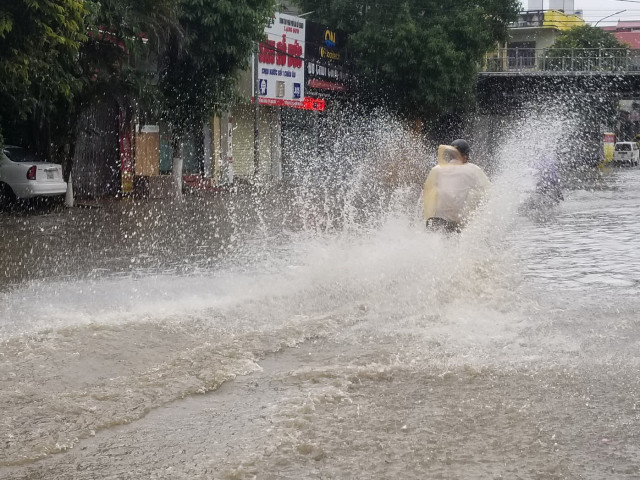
column 530, row 35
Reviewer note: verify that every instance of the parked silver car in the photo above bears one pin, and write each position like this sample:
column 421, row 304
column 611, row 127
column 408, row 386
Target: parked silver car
column 23, row 177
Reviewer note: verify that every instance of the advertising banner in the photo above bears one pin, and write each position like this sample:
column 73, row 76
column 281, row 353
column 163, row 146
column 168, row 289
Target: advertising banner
column 325, row 58
column 609, row 145
column 280, row 62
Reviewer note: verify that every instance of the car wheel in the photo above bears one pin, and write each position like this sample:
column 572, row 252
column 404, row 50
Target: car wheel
column 7, row 197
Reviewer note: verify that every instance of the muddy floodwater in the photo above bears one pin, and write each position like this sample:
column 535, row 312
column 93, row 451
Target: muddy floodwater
column 271, row 335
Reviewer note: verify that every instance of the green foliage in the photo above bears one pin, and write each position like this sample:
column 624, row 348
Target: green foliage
column 199, row 67
column 420, row 56
column 586, row 48
column 586, row 36
column 179, row 58
column 119, row 57
column 39, row 41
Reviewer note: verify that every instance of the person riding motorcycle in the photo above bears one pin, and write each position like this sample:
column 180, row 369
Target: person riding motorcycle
column 548, row 183
column 453, row 188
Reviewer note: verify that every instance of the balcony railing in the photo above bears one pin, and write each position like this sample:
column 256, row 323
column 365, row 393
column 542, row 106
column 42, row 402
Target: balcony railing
column 531, row 18
column 563, row 60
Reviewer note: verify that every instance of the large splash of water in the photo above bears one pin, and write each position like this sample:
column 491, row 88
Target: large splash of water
column 159, row 301
column 346, row 227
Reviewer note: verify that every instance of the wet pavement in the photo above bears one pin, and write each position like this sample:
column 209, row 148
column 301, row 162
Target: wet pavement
column 123, row 236
column 234, row 337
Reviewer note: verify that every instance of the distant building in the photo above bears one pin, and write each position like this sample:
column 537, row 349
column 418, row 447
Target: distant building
column 540, row 28
column 565, row 6
column 532, row 32
column 626, row 32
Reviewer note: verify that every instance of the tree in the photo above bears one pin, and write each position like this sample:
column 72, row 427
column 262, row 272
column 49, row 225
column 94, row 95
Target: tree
column 586, row 36
column 200, row 64
column 586, row 48
column 420, row 56
column 39, row 42
column 122, row 36
column 178, row 60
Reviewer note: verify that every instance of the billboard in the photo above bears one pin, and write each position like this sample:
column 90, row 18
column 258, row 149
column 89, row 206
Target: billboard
column 609, row 146
column 325, row 58
column 281, row 62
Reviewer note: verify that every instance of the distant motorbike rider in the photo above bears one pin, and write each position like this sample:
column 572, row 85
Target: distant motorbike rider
column 548, row 181
column 453, row 189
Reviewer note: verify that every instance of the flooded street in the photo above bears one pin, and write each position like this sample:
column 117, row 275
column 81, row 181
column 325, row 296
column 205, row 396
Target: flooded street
column 311, row 240
column 248, row 336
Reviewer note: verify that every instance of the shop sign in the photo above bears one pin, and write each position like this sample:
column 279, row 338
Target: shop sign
column 609, row 146
column 325, row 58
column 280, row 62
column 325, row 85
column 307, row 103
column 316, row 104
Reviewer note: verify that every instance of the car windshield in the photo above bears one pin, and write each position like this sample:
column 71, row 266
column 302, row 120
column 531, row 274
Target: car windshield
column 19, row 155
column 623, row 147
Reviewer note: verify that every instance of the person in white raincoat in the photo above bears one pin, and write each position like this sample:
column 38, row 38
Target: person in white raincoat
column 453, row 189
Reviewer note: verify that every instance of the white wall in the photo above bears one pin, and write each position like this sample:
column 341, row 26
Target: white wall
column 565, row 5
column 535, row 5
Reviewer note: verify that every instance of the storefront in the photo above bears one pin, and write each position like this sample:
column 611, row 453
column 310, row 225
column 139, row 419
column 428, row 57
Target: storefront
column 300, row 65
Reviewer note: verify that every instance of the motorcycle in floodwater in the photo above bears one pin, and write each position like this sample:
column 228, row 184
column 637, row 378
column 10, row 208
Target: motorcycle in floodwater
column 453, row 189
column 547, row 193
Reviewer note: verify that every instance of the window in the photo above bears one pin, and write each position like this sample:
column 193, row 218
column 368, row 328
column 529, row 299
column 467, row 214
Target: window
column 18, row 155
column 521, row 54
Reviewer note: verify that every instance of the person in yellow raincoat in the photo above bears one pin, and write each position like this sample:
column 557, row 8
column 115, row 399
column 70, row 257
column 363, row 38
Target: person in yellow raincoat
column 454, row 188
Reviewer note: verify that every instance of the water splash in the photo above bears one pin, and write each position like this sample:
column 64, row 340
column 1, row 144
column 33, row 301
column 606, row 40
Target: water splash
column 348, row 222
column 139, row 304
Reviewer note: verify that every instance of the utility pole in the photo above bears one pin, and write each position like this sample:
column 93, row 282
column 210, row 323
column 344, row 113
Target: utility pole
column 609, row 16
